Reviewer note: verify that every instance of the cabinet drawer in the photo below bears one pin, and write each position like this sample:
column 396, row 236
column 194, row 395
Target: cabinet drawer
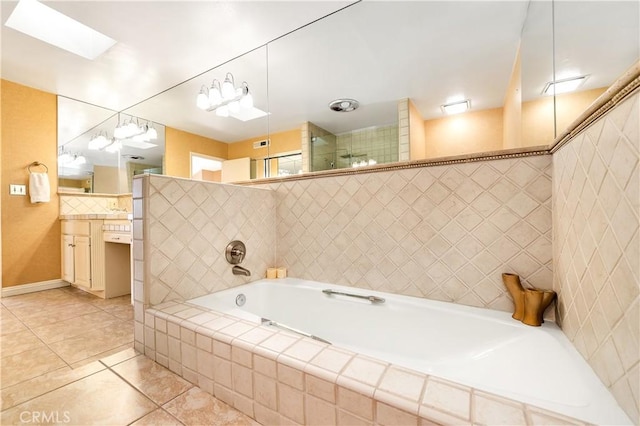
column 117, row 237
column 76, row 227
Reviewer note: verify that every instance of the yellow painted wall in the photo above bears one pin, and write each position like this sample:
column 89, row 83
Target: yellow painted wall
column 469, row 132
column 289, row 140
column 569, row 106
column 178, row 148
column 30, row 232
column 512, row 110
column 417, row 148
column 537, row 116
column 106, row 180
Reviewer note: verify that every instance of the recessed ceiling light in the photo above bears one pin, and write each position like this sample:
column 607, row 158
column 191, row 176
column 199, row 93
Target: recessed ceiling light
column 344, row 105
column 564, row 85
column 39, row 21
column 456, row 107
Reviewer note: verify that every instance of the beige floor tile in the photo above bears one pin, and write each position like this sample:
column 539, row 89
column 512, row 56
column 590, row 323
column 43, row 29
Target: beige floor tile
column 119, row 357
column 123, row 312
column 73, row 327
column 47, row 382
column 100, row 399
column 28, row 364
column 93, row 343
column 196, row 407
column 53, row 314
column 158, row 417
column 11, row 325
column 152, row 379
column 102, row 355
column 14, row 343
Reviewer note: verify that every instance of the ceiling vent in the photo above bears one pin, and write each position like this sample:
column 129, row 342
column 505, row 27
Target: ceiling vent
column 344, row 105
column 261, row 144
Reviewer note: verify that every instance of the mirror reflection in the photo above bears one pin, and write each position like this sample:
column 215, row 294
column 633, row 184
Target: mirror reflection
column 381, row 82
column 99, row 150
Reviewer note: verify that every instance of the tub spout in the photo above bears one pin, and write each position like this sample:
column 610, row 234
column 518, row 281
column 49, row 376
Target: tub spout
column 239, row 270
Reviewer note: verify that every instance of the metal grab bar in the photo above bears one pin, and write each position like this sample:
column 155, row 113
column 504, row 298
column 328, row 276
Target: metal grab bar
column 266, row 321
column 372, row 299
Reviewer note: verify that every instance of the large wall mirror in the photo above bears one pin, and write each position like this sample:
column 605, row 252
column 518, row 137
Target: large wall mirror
column 100, row 150
column 405, row 64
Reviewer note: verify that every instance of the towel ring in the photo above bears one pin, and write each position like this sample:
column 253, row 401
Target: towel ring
column 37, row 164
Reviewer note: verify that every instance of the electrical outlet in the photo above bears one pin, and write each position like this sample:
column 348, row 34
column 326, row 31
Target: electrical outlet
column 17, row 189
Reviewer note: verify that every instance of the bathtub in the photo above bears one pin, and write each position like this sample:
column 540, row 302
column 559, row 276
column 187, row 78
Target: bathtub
column 480, row 348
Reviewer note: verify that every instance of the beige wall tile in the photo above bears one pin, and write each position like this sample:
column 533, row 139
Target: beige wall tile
column 242, row 380
column 320, row 388
column 448, row 398
column 291, row 376
column 291, row 403
column 490, row 410
column 357, row 404
column 348, row 419
column 595, row 234
column 386, row 415
column 265, row 366
column 265, row 391
column 319, row 412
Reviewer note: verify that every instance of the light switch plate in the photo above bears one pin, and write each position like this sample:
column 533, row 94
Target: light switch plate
column 17, row 189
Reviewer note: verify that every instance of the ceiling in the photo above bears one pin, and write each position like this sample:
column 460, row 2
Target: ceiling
column 377, row 52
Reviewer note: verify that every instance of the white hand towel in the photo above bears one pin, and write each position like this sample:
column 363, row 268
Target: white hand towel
column 39, row 190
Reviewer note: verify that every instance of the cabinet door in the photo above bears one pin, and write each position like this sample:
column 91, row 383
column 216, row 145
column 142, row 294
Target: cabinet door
column 82, row 260
column 67, row 259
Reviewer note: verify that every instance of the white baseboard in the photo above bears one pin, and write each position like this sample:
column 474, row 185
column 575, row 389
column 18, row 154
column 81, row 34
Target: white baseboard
column 33, row 287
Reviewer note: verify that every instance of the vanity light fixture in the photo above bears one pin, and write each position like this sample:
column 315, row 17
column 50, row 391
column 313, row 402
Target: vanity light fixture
column 67, row 159
column 456, row 107
column 99, row 141
column 564, row 86
column 225, row 99
column 114, row 147
column 133, row 130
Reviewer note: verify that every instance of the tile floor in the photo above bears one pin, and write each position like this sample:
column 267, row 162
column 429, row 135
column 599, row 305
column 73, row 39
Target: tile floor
column 66, row 357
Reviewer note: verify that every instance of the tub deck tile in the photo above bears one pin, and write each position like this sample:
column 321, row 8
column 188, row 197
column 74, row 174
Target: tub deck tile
column 446, row 398
column 297, row 364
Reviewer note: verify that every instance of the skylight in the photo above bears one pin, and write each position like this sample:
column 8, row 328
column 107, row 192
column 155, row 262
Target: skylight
column 39, row 21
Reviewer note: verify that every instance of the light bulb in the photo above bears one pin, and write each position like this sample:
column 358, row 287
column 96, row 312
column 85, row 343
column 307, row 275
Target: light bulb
column 247, row 101
column 215, row 98
column 228, row 91
column 222, row 111
column 79, row 160
column 64, row 158
column 202, row 101
column 119, row 132
column 152, row 133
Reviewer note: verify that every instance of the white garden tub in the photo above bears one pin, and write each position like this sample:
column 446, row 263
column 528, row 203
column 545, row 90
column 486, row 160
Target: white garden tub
column 481, row 348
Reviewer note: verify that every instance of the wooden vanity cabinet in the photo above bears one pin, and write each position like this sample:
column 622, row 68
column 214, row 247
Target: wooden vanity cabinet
column 83, row 253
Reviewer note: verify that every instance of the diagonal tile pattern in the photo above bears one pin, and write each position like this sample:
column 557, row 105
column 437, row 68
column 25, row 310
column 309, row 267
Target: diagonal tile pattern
column 445, row 232
column 596, row 246
column 91, row 204
column 190, row 224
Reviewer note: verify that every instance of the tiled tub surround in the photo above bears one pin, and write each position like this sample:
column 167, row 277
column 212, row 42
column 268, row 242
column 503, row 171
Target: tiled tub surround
column 280, row 378
column 596, row 248
column 445, row 233
column 476, row 347
column 190, row 223
column 481, row 197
